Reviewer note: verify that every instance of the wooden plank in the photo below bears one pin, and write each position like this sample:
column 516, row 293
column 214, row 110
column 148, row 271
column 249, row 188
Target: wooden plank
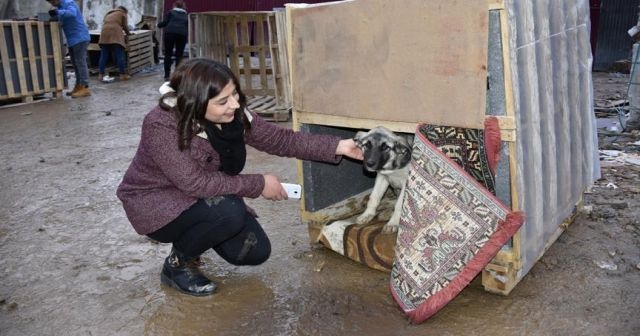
column 302, row 117
column 232, row 36
column 44, row 58
column 260, row 38
column 283, row 78
column 510, row 111
column 32, row 58
column 256, row 100
column 58, row 58
column 365, row 123
column 17, row 45
column 496, row 4
column 264, row 106
column 6, row 65
column 249, row 48
column 493, row 282
column 507, row 128
column 255, row 71
column 246, row 57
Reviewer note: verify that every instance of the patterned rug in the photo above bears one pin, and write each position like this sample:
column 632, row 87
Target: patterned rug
column 475, row 150
column 450, row 228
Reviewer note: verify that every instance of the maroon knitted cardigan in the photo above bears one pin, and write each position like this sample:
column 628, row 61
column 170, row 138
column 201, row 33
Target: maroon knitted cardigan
column 162, row 181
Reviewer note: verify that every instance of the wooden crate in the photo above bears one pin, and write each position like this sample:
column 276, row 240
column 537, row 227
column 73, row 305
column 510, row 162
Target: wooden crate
column 31, row 58
column 249, row 43
column 139, row 52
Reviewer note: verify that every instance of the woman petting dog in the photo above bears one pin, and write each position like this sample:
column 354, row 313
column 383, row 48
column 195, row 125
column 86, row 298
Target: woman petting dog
column 185, row 184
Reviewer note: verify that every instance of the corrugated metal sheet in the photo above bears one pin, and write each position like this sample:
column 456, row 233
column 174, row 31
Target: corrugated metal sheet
column 556, row 148
column 614, row 44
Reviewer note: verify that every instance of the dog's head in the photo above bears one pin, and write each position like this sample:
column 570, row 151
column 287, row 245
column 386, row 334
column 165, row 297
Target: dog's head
column 383, row 149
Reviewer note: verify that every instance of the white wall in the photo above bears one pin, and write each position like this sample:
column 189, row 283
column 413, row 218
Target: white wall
column 93, row 10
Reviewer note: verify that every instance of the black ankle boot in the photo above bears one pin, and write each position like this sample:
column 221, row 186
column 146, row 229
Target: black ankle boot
column 183, row 274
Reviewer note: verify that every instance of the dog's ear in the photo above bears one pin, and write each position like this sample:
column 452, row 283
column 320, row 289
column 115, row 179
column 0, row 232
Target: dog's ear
column 358, row 137
column 409, row 139
column 403, row 146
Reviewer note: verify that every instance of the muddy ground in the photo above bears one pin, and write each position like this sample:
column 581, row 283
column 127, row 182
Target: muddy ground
column 70, row 264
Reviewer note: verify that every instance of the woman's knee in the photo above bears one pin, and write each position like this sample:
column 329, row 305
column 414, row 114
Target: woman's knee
column 255, row 251
column 229, row 209
column 260, row 255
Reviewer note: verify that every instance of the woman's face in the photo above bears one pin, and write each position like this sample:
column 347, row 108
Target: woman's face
column 222, row 107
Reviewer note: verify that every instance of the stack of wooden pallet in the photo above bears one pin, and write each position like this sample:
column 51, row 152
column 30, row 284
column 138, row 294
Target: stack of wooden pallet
column 139, row 52
column 253, row 44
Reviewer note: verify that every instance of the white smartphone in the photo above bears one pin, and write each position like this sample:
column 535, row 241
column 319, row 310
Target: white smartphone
column 293, row 190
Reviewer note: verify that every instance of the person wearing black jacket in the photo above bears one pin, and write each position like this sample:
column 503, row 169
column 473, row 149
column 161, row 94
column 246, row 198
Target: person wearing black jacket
column 175, row 31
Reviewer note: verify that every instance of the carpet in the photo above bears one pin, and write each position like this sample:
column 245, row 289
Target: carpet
column 451, row 227
column 475, row 150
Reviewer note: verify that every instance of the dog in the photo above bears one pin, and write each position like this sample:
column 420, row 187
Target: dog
column 388, row 154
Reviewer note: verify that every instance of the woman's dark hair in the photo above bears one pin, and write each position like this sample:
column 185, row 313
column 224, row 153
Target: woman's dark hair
column 196, row 81
column 179, row 4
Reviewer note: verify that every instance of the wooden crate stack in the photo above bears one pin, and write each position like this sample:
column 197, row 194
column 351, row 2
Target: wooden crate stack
column 139, row 51
column 32, row 60
column 250, row 44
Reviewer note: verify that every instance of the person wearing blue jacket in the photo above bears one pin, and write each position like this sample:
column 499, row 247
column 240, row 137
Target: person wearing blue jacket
column 77, row 34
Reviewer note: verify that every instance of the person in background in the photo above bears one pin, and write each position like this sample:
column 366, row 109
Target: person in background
column 175, row 32
column 77, row 34
column 185, row 184
column 112, row 40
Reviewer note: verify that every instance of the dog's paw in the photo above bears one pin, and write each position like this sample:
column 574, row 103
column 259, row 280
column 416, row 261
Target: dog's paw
column 365, row 218
column 390, row 228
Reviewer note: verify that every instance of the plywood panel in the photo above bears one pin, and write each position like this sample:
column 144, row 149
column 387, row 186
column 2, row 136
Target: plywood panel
column 406, row 61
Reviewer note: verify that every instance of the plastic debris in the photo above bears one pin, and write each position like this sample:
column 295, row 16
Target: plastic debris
column 607, row 265
column 611, row 158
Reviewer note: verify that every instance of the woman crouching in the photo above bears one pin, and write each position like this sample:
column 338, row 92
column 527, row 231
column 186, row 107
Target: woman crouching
column 185, row 184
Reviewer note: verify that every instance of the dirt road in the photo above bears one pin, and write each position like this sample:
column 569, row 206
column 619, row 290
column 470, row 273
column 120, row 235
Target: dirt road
column 70, row 264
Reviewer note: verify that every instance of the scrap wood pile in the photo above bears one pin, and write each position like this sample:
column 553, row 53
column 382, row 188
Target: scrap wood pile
column 605, row 108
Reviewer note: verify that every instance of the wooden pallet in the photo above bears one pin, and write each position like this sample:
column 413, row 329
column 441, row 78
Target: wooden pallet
column 139, row 52
column 30, row 99
column 267, row 108
column 31, row 60
column 253, row 45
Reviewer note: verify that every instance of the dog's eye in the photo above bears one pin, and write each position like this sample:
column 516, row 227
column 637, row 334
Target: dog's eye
column 384, row 147
column 366, row 145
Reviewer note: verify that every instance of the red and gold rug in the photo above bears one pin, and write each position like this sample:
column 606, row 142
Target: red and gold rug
column 451, row 226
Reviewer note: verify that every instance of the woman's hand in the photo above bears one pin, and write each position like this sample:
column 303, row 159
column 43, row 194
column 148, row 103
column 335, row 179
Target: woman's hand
column 273, row 190
column 348, row 148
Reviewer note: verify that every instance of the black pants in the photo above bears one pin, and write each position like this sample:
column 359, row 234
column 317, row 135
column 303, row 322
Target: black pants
column 221, row 223
column 170, row 41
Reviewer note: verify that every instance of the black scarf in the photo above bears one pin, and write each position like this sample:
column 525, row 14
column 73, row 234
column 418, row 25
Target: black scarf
column 228, row 141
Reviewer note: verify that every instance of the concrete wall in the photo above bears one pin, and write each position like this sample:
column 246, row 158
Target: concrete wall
column 93, row 10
